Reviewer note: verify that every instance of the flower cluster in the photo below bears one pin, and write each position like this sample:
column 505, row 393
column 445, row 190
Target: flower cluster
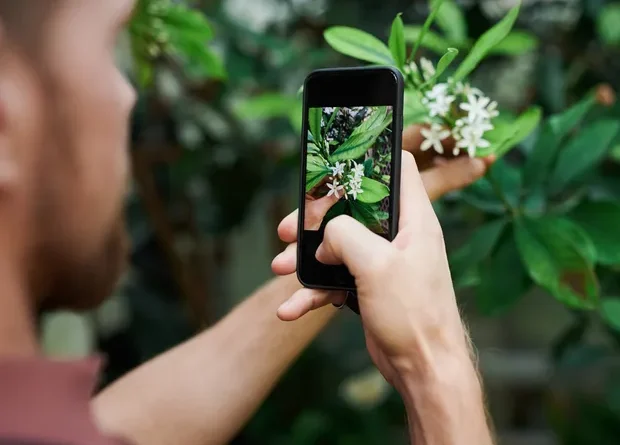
column 351, row 174
column 456, row 110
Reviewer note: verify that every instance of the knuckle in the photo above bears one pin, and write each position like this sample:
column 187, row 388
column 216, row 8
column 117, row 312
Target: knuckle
column 381, row 265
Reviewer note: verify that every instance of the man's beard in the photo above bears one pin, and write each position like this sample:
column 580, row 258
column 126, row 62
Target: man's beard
column 83, row 285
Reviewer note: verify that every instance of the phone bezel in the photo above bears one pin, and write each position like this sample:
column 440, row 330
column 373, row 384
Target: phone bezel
column 350, row 87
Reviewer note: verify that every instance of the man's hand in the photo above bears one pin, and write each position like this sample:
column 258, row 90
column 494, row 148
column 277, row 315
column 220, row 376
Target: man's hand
column 439, row 177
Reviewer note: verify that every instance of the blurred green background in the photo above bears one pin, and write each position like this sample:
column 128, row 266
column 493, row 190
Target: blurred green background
column 215, row 152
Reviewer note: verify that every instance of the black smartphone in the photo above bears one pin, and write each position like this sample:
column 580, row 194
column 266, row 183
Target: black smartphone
column 350, row 163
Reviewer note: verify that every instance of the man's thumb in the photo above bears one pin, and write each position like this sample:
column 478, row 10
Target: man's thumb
column 349, row 242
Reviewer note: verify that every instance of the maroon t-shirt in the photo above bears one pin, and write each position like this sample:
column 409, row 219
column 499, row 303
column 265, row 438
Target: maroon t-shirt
column 46, row 402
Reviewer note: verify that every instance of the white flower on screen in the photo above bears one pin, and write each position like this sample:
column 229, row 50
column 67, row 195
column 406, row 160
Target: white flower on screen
column 476, row 108
column 471, row 139
column 357, row 170
column 355, row 188
column 428, row 69
column 433, row 137
column 338, row 169
column 329, row 110
column 335, row 188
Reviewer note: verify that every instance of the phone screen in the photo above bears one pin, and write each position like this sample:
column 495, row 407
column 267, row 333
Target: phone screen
column 349, row 148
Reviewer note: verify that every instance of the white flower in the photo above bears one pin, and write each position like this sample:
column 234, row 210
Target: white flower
column 471, row 140
column 428, row 69
column 355, row 188
column 357, row 170
column 338, row 169
column 335, row 188
column 466, row 89
column 441, row 106
column 438, row 91
column 329, row 110
column 492, row 110
column 433, row 137
column 476, row 107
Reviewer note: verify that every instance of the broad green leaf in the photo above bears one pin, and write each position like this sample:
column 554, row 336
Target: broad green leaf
column 508, row 180
column 554, row 131
column 367, row 214
column 445, row 61
column 374, row 191
column 315, row 117
column 435, row 7
column 451, row 20
column 607, row 24
column 358, row 44
column 486, row 43
column 397, row 42
column 479, row 246
column 267, row 106
column 482, row 196
column 376, row 122
column 559, row 257
column 432, row 41
column 503, row 279
column 315, row 163
column 188, row 22
column 199, row 60
column 316, row 171
column 414, row 111
column 516, row 43
column 354, row 147
column 601, row 221
column 583, row 153
column 509, row 135
column 610, row 310
column 368, row 167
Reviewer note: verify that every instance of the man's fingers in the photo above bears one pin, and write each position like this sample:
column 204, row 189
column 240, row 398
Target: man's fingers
column 306, row 300
column 286, row 262
column 453, row 175
column 349, row 242
column 287, row 230
column 316, row 210
column 414, row 202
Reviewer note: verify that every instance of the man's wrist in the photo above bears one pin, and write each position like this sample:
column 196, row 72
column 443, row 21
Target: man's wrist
column 444, row 398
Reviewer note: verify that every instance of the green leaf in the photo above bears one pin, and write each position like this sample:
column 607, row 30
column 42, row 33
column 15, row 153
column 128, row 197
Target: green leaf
column 559, row 257
column 431, row 41
column 435, row 7
column 601, row 221
column 315, row 117
column 508, row 135
column 482, row 196
column 503, row 279
column 368, row 167
column 508, row 180
column 199, row 60
column 583, row 153
column 607, row 24
column 331, row 119
column 354, row 147
column 553, row 133
column 479, row 246
column 451, row 20
column 445, row 61
column 295, row 117
column 267, row 106
column 414, row 111
column 188, row 22
column 365, row 213
column 516, row 43
column 358, row 44
column 486, row 43
column 397, row 42
column 610, row 310
column 374, row 191
column 376, row 122
column 314, row 178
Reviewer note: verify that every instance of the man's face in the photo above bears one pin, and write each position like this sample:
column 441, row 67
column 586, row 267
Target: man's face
column 73, row 124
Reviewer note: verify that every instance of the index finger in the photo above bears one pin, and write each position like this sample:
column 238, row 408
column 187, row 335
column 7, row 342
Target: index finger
column 414, row 201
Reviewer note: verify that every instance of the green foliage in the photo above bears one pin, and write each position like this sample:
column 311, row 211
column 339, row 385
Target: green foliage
column 374, row 191
column 610, row 310
column 443, row 64
column 451, row 20
column 486, row 43
column 436, row 7
column 607, row 24
column 601, row 221
column 358, row 44
column 397, row 42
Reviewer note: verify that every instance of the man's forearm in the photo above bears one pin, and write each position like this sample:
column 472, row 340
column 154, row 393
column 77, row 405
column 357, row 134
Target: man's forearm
column 204, row 391
column 445, row 403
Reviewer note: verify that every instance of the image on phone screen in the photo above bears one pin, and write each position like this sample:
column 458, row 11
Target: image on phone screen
column 349, row 166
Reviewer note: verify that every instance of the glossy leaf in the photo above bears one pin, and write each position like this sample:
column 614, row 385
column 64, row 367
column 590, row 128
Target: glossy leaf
column 355, row 146
column 435, row 7
column 583, row 152
column 516, row 43
column 601, row 221
column 188, row 22
column 553, row 133
column 374, row 191
column 365, row 213
column 503, row 279
column 414, row 111
column 559, row 257
column 610, row 310
column 431, row 41
column 358, row 44
column 315, row 117
column 397, row 42
column 267, row 106
column 486, row 43
column 314, row 178
column 451, row 21
column 507, row 135
column 443, row 64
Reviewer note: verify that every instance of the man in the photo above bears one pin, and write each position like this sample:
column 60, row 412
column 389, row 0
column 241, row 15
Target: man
column 64, row 111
